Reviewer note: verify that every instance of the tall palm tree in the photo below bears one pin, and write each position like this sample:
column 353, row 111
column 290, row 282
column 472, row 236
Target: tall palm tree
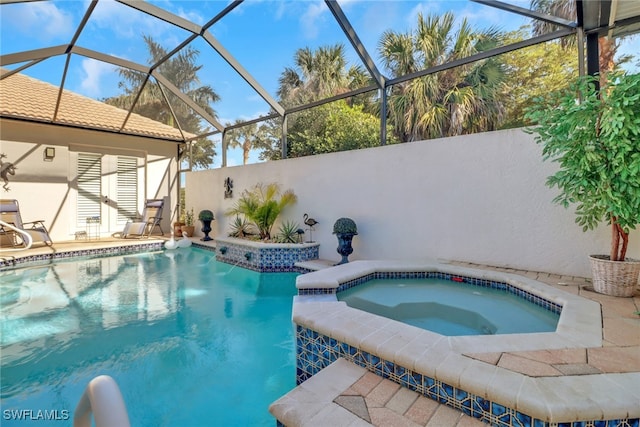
column 318, row 74
column 182, row 71
column 247, row 137
column 566, row 9
column 460, row 100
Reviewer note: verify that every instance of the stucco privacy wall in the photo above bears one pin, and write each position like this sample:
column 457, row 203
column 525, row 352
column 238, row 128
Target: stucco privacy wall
column 45, row 190
column 479, row 198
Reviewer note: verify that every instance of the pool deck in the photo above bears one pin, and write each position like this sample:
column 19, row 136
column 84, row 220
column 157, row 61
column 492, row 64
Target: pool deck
column 386, row 403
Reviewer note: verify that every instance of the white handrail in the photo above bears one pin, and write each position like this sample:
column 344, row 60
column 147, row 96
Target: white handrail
column 28, row 240
column 102, row 397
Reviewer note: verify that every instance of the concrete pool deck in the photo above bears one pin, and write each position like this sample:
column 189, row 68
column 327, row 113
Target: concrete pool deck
column 618, row 355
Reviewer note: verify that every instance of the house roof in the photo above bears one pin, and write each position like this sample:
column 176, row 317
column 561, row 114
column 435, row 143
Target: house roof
column 24, row 97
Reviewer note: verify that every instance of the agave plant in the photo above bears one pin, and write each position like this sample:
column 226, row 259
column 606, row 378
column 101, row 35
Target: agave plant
column 288, row 232
column 241, row 228
column 262, row 205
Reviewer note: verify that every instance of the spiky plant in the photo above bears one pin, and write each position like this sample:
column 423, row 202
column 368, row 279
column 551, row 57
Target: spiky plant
column 288, row 232
column 241, row 228
column 262, row 205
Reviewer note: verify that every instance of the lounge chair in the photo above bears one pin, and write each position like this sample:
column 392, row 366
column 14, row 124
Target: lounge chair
column 10, row 214
column 151, row 217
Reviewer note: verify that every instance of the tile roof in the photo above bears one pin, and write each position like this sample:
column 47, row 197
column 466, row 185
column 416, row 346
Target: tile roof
column 28, row 98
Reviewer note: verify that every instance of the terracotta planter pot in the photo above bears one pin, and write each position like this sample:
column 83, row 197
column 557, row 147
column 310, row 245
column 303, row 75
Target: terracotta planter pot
column 189, row 229
column 615, row 278
column 177, row 228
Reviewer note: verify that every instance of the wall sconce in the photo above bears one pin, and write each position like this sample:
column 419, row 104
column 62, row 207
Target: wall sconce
column 49, row 154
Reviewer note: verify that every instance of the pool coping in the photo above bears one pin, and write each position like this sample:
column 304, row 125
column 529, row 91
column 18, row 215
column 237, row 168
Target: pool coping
column 550, row 399
column 71, row 249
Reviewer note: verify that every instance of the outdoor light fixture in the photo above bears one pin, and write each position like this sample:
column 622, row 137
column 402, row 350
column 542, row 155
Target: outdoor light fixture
column 49, row 154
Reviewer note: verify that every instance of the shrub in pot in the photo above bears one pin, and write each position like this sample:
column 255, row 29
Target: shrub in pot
column 206, row 216
column 345, row 229
column 188, row 226
column 594, row 136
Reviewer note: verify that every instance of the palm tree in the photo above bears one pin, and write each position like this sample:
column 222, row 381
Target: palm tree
column 460, row 100
column 182, row 71
column 566, row 9
column 247, row 137
column 262, row 205
column 318, row 74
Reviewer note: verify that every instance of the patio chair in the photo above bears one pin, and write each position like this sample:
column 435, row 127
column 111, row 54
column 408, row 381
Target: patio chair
column 151, row 217
column 10, row 214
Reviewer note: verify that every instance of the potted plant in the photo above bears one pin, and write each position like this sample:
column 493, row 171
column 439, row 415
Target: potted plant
column 177, row 228
column 206, row 216
column 594, row 136
column 261, row 206
column 344, row 229
column 188, row 226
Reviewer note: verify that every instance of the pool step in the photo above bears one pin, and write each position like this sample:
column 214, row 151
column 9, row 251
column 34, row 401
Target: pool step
column 344, row 394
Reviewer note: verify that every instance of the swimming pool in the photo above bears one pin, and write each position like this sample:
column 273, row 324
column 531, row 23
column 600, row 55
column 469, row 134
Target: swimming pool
column 190, row 341
column 450, row 307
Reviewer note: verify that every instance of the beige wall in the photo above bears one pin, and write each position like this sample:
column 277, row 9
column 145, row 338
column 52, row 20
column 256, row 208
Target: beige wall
column 479, row 198
column 45, row 189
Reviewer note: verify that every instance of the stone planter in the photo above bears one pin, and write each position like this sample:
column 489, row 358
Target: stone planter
column 344, row 246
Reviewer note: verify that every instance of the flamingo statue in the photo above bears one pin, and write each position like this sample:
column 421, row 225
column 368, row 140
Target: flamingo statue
column 311, row 222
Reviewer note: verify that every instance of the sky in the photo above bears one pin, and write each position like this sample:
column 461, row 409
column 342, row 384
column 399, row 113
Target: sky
column 261, row 35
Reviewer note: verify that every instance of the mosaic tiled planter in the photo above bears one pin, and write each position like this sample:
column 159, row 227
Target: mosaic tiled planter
column 264, row 257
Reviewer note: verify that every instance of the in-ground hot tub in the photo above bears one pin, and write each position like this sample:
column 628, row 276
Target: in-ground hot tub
column 451, row 304
column 442, row 367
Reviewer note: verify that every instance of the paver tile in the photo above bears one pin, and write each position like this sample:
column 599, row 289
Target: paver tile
column 402, row 400
column 385, row 417
column 622, row 331
column 381, row 393
column 365, row 384
column 571, row 355
column 615, row 359
column 577, row 369
column 422, row 410
column 527, row 366
column 490, row 358
column 445, row 416
column 355, row 405
column 467, row 421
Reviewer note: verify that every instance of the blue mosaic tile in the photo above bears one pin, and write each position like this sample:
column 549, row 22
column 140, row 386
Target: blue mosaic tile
column 85, row 253
column 521, row 420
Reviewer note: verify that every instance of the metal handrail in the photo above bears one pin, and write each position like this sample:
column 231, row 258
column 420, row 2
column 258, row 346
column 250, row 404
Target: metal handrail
column 102, row 397
column 28, row 240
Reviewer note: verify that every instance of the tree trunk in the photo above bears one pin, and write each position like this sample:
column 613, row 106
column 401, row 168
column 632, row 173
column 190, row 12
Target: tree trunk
column 619, row 241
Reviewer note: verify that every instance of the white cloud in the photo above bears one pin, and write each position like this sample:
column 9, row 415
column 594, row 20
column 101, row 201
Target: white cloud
column 125, row 22
column 93, row 73
column 40, row 19
column 309, row 20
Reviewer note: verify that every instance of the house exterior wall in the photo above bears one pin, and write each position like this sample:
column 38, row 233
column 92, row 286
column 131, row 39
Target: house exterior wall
column 44, row 189
column 479, row 198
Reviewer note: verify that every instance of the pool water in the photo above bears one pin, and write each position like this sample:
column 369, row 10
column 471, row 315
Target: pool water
column 450, row 308
column 189, row 340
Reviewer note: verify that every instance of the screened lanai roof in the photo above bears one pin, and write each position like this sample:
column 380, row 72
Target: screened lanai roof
column 241, row 47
